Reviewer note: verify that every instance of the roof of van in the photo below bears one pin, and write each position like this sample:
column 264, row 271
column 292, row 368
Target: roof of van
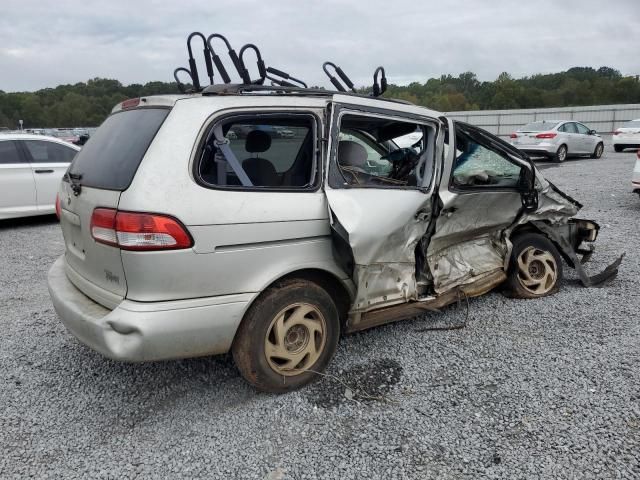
column 267, row 93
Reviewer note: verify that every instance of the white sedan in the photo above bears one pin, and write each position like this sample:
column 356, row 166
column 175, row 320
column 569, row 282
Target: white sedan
column 627, row 136
column 31, row 167
column 635, row 180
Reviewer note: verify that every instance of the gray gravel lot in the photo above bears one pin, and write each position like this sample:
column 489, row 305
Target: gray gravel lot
column 529, row 389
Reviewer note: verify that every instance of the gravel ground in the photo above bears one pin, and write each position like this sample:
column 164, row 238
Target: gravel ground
column 544, row 388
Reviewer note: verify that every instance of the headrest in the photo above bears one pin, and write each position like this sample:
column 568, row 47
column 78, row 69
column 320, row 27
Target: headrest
column 351, row 154
column 258, row 141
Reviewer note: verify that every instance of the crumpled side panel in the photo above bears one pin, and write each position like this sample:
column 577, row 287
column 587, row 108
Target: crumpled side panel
column 468, row 261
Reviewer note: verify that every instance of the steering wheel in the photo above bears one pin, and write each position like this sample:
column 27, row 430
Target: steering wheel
column 403, row 162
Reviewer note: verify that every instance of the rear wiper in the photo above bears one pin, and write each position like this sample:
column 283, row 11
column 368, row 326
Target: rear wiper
column 74, row 181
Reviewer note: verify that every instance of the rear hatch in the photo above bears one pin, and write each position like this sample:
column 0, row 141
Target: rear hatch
column 529, row 134
column 99, row 173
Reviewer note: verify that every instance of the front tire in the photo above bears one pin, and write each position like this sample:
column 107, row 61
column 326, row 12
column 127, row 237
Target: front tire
column 535, row 267
column 597, row 153
column 561, row 154
column 289, row 333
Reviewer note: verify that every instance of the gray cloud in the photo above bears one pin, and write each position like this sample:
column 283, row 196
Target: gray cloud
column 43, row 44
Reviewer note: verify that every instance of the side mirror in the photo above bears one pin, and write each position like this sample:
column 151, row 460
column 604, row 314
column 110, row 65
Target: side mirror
column 592, row 132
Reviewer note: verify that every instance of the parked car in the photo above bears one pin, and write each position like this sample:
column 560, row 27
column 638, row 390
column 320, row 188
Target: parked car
column 558, row 140
column 177, row 246
column 635, row 181
column 31, row 167
column 627, row 136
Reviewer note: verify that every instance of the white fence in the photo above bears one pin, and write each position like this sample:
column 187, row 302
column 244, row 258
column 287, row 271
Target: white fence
column 602, row 118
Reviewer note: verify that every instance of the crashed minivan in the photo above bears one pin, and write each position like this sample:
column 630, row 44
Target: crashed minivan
column 192, row 227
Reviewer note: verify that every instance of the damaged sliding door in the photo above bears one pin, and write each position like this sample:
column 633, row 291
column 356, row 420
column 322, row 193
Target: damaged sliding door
column 484, row 186
column 379, row 189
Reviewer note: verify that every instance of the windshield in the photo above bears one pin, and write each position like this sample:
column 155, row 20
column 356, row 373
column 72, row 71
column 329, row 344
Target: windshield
column 538, row 126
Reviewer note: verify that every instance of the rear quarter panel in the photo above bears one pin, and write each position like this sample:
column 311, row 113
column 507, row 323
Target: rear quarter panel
column 243, row 241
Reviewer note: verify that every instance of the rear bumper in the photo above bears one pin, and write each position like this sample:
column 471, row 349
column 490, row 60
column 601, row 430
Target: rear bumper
column 543, row 150
column 137, row 331
column 630, row 141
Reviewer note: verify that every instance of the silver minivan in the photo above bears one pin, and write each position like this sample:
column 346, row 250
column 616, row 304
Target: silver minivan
column 193, row 227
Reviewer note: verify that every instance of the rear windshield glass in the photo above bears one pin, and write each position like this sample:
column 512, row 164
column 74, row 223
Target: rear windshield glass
column 632, row 124
column 538, row 126
column 111, row 157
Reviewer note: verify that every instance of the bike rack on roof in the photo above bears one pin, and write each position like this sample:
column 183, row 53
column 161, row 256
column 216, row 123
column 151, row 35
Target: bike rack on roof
column 281, row 81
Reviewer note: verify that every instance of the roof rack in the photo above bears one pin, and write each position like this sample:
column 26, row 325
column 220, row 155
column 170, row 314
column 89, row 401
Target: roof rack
column 281, row 82
column 240, row 88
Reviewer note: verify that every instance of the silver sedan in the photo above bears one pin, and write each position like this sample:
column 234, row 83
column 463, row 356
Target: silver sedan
column 558, row 140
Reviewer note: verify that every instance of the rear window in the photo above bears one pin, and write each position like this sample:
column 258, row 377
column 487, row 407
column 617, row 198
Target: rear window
column 111, row 157
column 538, row 126
column 632, row 124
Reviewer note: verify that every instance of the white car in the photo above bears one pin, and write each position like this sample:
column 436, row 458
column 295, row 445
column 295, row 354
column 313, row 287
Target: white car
column 635, row 180
column 558, row 140
column 31, row 167
column 627, row 136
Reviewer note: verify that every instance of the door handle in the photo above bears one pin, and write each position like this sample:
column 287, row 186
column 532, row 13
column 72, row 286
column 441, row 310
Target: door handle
column 44, row 171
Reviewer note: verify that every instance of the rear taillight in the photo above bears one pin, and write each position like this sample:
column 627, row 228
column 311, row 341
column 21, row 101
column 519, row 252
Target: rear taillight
column 617, row 132
column 513, row 135
column 58, row 213
column 546, row 135
column 138, row 231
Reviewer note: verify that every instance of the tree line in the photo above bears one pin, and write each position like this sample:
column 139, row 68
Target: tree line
column 88, row 104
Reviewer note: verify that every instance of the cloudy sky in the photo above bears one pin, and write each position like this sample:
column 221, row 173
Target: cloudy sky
column 44, row 44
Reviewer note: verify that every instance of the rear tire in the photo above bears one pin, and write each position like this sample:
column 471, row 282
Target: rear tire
column 535, row 267
column 290, row 332
column 597, row 153
column 618, row 148
column 561, row 154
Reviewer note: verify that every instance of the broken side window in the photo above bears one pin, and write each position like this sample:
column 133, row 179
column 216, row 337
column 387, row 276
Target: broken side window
column 375, row 151
column 477, row 165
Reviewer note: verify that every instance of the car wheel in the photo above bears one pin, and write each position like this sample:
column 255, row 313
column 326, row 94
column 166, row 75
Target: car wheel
column 618, row 148
column 535, row 267
column 287, row 337
column 561, row 154
column 597, row 153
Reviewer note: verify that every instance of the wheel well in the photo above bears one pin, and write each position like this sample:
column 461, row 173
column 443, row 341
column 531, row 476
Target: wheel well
column 529, row 228
column 329, row 282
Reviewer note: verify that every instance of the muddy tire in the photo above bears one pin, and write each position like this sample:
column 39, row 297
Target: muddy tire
column 561, row 154
column 290, row 332
column 535, row 267
column 597, row 153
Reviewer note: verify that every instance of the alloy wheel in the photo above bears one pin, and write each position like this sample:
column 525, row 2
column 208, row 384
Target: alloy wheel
column 295, row 339
column 537, row 270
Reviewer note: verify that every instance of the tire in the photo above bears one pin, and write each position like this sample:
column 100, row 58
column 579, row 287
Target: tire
column 597, row 152
column 618, row 148
column 289, row 333
column 561, row 154
column 535, row 267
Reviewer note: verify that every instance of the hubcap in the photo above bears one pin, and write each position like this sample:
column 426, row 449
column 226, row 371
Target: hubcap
column 295, row 339
column 537, row 270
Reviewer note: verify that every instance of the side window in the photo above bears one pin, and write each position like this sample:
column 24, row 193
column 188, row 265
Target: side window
column 478, row 165
column 268, row 150
column 49, row 152
column 563, row 128
column 9, row 152
column 581, row 128
column 374, row 151
column 570, row 127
